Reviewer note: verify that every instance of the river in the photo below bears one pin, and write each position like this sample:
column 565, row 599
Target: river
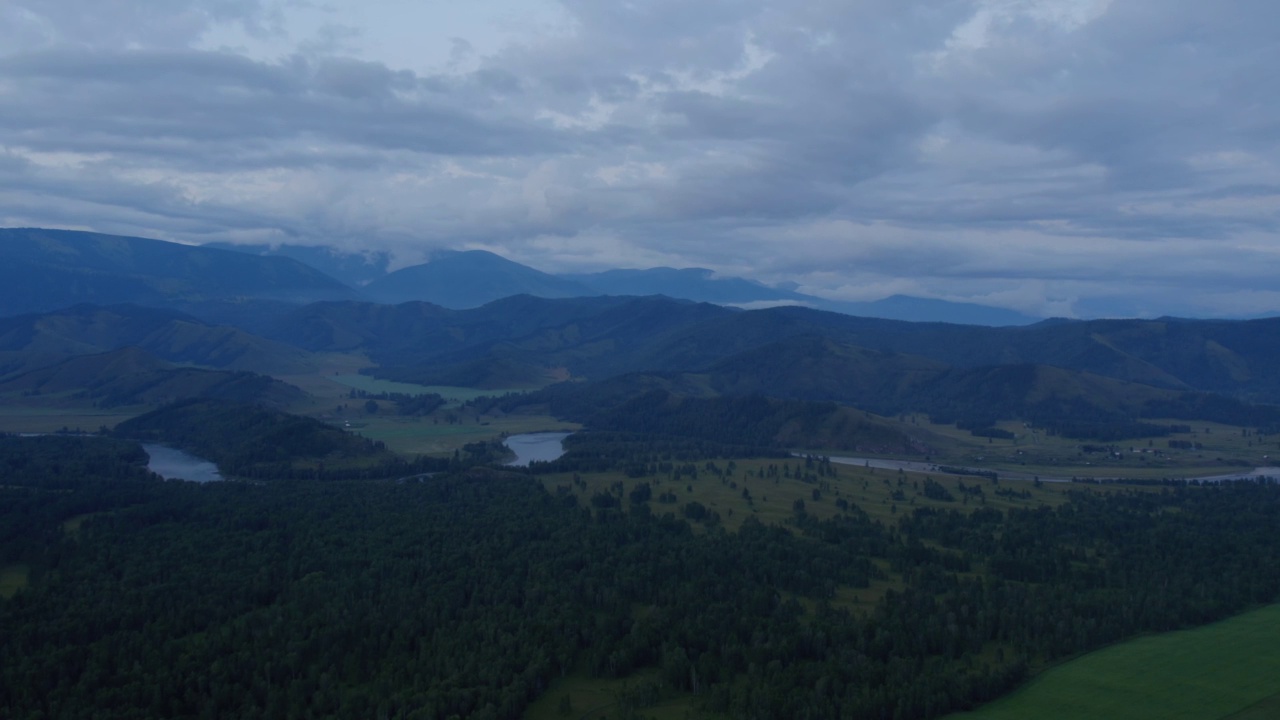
column 544, row 447
column 174, row 464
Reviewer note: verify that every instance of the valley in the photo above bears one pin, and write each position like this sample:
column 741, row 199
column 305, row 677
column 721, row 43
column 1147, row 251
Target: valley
column 781, row 512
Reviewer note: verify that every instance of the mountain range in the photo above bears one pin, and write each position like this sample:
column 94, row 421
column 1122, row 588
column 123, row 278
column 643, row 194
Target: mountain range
column 469, row 279
column 254, row 285
column 165, row 315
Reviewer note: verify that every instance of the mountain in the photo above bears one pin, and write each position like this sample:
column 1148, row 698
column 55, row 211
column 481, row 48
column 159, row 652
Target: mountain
column 29, row 342
column 595, row 338
column 703, row 285
column 355, row 269
column 131, row 376
column 547, row 332
column 468, row 279
column 698, row 284
column 42, row 270
column 812, row 367
column 818, row 372
column 915, row 309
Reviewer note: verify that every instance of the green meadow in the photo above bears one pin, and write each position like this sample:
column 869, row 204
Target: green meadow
column 12, row 579
column 437, row 435
column 1228, row 670
column 376, row 386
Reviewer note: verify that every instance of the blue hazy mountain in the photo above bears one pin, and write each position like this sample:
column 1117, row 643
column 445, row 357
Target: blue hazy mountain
column 43, row 270
column 703, row 285
column 352, row 268
column 915, row 309
column 698, row 284
column 469, row 279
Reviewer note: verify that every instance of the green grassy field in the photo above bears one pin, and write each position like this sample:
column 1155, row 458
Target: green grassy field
column 773, row 498
column 1223, row 449
column 435, row 436
column 1230, row 669
column 597, row 699
column 12, row 579
column 452, row 394
column 71, row 525
column 25, row 418
column 1268, row 709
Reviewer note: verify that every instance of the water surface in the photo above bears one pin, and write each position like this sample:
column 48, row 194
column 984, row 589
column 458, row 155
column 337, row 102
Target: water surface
column 174, row 464
column 528, row 447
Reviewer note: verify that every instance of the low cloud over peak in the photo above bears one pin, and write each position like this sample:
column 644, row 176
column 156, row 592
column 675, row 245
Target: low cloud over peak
column 1079, row 156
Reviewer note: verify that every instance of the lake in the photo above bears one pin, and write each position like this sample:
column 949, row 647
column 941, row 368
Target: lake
column 174, row 464
column 545, row 446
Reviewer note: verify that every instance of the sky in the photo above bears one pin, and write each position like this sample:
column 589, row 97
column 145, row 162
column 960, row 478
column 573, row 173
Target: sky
column 1074, row 158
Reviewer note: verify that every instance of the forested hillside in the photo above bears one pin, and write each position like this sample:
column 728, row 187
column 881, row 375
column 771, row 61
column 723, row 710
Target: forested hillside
column 467, row 595
column 43, row 270
column 590, row 337
column 256, row 442
column 132, row 376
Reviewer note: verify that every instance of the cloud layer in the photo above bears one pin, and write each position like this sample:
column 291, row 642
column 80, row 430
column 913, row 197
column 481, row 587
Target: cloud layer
column 1082, row 157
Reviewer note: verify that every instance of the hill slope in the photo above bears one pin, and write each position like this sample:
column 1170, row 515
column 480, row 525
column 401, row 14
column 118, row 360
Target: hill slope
column 131, row 376
column 33, row 341
column 42, row 270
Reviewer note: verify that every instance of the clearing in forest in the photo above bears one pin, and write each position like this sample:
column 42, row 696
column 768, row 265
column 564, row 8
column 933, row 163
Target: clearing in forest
column 1224, row 670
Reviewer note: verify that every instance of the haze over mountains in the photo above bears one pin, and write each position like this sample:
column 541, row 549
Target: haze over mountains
column 42, row 270
column 79, row 300
column 468, row 279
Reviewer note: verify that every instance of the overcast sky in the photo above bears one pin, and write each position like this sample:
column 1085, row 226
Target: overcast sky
column 1057, row 157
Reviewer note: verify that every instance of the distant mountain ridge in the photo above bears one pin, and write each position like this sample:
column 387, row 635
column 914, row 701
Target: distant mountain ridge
column 468, row 279
column 43, row 270
column 352, row 268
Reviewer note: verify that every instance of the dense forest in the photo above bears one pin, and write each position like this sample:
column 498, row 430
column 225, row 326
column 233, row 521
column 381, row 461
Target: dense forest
column 463, row 595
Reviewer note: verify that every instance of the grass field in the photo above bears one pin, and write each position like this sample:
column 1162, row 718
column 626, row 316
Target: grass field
column 434, row 436
column 1222, row 449
column 16, row 418
column 1268, row 709
column 12, row 579
column 597, row 699
column 71, row 525
column 773, row 498
column 1230, row 669
column 452, row 394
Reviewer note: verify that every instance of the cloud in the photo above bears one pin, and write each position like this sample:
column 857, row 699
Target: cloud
column 1078, row 156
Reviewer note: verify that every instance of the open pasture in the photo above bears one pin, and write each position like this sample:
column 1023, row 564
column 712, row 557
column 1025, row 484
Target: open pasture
column 12, row 579
column 436, row 435
column 769, row 490
column 580, row 696
column 376, row 386
column 15, row 418
column 1204, row 449
column 1230, row 669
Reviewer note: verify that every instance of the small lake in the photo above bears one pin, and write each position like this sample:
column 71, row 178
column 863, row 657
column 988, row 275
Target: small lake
column 174, row 464
column 528, row 447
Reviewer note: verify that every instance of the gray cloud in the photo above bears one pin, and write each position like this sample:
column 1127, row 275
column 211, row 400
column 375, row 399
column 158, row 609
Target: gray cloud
column 1053, row 155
